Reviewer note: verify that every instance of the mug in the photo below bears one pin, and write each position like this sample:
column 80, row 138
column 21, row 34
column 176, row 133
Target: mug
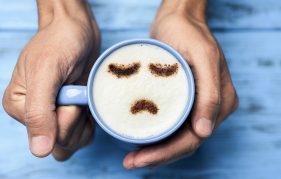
column 82, row 95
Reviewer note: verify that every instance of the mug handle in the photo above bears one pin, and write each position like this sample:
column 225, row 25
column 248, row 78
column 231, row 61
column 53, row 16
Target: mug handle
column 72, row 95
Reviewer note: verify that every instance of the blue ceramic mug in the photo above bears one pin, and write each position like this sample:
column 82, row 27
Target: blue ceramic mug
column 82, row 95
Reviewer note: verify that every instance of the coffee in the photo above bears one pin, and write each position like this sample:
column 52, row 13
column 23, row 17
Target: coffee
column 140, row 91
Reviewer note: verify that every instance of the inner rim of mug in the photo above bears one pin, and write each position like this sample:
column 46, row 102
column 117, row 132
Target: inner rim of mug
column 173, row 52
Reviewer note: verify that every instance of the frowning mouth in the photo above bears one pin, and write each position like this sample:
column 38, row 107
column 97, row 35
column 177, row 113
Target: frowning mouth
column 142, row 105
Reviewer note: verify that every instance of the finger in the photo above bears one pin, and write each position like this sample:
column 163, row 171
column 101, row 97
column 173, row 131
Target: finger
column 207, row 98
column 74, row 139
column 13, row 102
column 41, row 91
column 88, row 134
column 228, row 105
column 63, row 151
column 79, row 139
column 181, row 145
column 14, row 96
column 68, row 118
column 229, row 99
column 61, row 154
column 83, row 133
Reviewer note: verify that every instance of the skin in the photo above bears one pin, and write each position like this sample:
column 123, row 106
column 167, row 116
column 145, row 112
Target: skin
column 182, row 25
column 68, row 41
column 61, row 52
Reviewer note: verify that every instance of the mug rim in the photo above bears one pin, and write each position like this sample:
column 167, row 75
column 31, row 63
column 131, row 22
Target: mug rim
column 188, row 106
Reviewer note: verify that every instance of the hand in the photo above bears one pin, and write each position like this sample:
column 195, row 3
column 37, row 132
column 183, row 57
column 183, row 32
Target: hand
column 62, row 52
column 215, row 94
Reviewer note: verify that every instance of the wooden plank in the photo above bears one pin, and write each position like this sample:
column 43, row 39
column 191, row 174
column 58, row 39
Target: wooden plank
column 123, row 14
column 245, row 146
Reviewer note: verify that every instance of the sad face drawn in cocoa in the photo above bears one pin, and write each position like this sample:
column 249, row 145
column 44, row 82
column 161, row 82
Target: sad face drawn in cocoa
column 156, row 69
column 140, row 91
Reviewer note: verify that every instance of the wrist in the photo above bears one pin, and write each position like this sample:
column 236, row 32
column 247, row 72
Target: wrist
column 195, row 9
column 50, row 10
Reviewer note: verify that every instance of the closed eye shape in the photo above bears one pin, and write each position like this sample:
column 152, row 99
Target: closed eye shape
column 121, row 70
column 163, row 70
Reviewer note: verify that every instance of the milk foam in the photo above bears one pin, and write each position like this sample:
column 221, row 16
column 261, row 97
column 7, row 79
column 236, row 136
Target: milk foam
column 114, row 96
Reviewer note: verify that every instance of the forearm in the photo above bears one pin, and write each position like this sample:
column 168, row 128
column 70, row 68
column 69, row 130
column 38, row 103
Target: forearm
column 190, row 8
column 55, row 9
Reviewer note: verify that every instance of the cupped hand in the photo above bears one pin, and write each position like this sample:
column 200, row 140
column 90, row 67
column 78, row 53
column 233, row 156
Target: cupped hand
column 215, row 96
column 62, row 52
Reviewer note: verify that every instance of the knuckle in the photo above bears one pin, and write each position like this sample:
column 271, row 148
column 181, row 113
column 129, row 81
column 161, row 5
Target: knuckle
column 6, row 101
column 186, row 54
column 212, row 50
column 214, row 100
column 234, row 100
column 35, row 119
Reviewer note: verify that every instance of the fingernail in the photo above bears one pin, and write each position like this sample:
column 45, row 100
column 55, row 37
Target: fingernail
column 129, row 163
column 40, row 145
column 204, row 127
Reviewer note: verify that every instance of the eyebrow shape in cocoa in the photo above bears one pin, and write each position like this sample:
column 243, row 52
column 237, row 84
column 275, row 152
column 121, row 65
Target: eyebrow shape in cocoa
column 144, row 105
column 165, row 70
column 120, row 70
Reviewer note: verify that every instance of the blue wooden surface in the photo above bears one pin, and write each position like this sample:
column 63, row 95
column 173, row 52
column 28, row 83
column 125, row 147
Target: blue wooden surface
column 247, row 145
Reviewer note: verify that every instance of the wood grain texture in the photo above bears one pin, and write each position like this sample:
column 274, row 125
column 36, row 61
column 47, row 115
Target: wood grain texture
column 247, row 145
column 124, row 14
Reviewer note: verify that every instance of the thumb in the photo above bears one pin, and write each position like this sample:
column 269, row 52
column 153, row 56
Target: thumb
column 207, row 102
column 42, row 84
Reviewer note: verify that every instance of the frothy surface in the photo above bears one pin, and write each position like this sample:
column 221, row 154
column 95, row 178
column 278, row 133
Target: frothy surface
column 158, row 101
